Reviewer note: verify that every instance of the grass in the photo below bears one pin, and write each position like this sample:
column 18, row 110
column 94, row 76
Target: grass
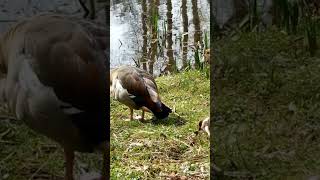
column 24, row 154
column 266, row 117
column 139, row 150
column 158, row 149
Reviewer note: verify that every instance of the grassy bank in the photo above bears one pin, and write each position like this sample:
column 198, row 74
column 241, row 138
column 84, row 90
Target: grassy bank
column 267, row 107
column 25, row 154
column 158, row 149
column 148, row 150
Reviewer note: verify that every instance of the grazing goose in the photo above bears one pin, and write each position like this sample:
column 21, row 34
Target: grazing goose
column 53, row 78
column 204, row 125
column 137, row 89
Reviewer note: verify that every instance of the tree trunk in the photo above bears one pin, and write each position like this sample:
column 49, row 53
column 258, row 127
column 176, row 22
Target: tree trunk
column 144, row 35
column 172, row 63
column 196, row 22
column 185, row 34
column 154, row 39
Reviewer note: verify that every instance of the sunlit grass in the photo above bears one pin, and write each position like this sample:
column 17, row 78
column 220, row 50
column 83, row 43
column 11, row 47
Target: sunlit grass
column 156, row 149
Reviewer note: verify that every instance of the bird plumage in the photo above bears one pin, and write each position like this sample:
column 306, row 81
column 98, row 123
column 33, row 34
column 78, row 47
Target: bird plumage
column 54, row 77
column 204, row 125
column 137, row 89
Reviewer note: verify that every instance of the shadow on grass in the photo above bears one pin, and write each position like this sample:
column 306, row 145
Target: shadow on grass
column 173, row 119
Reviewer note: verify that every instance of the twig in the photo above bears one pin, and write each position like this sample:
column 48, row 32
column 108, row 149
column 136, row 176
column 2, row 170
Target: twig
column 8, row 20
column 242, row 158
column 136, row 154
column 175, row 112
column 136, row 62
column 238, row 174
column 198, row 159
column 216, row 168
column 43, row 165
column 4, row 159
column 8, row 117
column 182, row 142
column 4, row 133
column 7, row 142
column 120, row 43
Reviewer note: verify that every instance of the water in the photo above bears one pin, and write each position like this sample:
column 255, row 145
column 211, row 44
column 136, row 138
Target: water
column 126, row 25
column 126, row 31
column 13, row 10
column 123, row 42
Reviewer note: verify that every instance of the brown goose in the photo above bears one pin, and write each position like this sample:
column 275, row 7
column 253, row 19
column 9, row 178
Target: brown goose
column 137, row 89
column 53, row 78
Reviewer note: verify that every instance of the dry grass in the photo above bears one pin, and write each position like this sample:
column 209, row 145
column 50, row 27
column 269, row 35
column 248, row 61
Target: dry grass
column 162, row 149
column 25, row 154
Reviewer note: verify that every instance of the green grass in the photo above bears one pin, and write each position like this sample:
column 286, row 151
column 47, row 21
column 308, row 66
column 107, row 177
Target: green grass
column 139, row 150
column 267, row 111
column 24, row 154
column 156, row 149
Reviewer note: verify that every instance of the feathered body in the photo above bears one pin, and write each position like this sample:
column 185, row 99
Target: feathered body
column 53, row 78
column 137, row 89
column 204, row 125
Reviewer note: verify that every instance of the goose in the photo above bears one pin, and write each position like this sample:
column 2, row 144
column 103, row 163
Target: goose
column 206, row 56
column 138, row 90
column 204, row 125
column 52, row 76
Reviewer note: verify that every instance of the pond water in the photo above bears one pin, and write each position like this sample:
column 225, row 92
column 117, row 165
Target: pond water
column 126, row 31
column 13, row 10
column 126, row 40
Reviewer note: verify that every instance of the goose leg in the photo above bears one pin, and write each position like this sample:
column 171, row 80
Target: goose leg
column 131, row 114
column 142, row 116
column 105, row 169
column 69, row 155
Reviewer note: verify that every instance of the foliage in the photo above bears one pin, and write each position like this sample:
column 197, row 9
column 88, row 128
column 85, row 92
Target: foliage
column 266, row 107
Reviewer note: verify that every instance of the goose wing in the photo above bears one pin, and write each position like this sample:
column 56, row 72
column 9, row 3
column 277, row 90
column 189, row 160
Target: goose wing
column 55, row 66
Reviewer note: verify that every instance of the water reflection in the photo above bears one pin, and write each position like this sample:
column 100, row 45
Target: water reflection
column 127, row 30
column 121, row 35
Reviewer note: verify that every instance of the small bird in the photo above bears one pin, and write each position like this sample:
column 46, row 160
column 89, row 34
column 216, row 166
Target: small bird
column 53, row 77
column 206, row 56
column 204, row 125
column 137, row 89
